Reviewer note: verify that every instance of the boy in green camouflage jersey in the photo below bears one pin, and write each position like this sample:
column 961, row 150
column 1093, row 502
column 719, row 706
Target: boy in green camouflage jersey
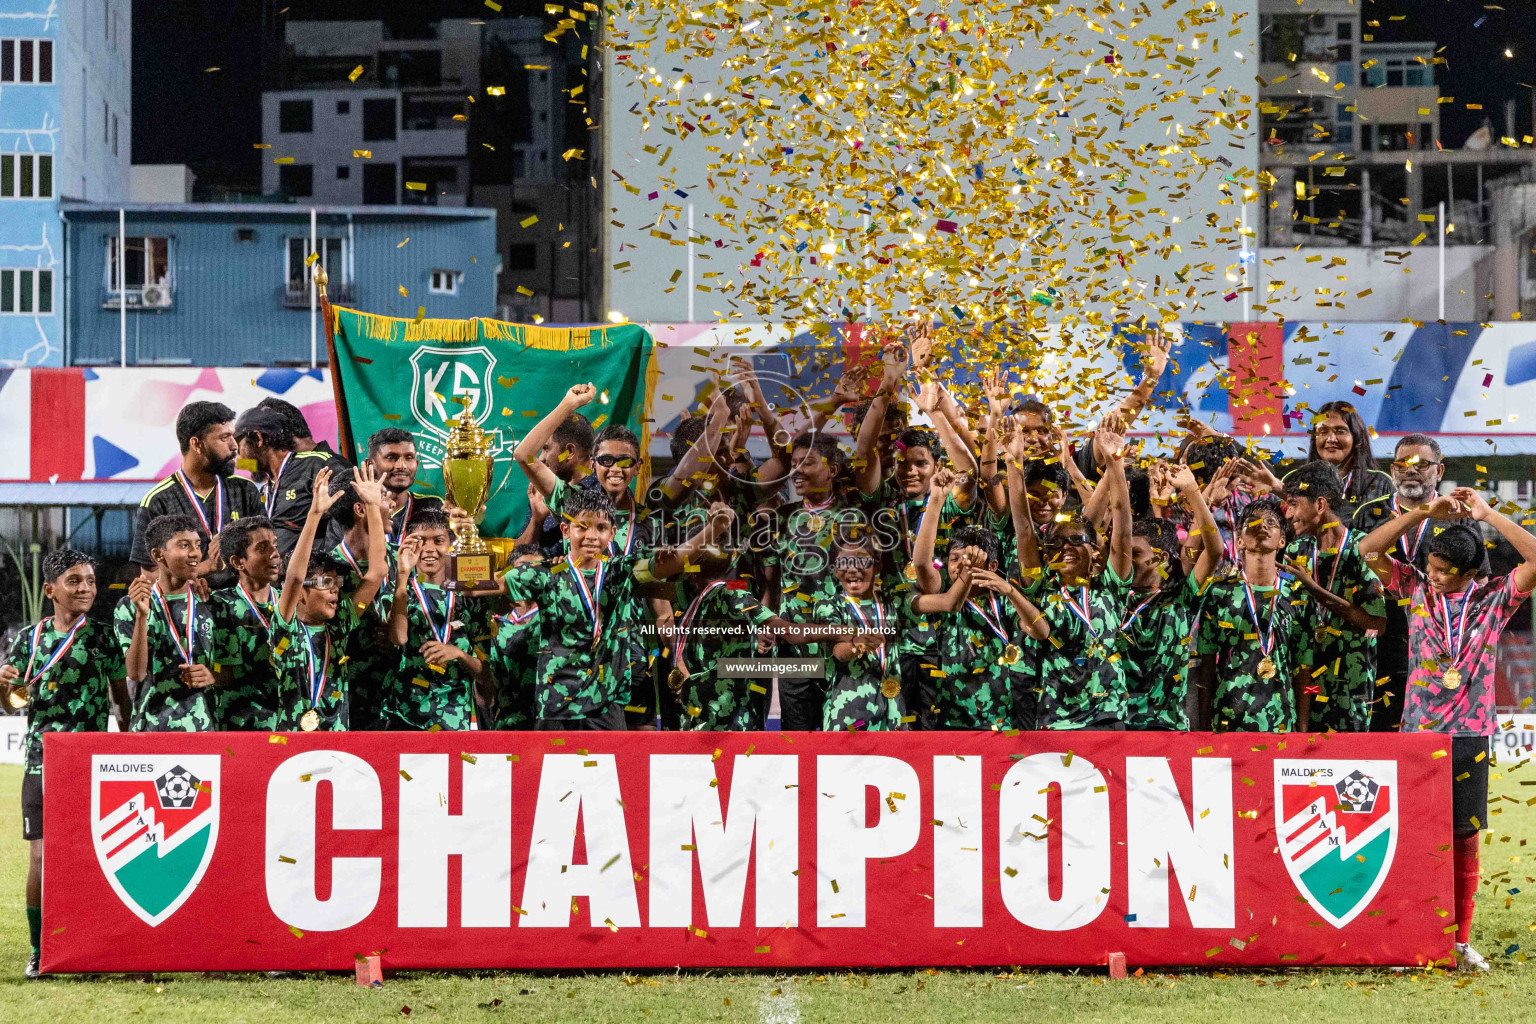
column 1253, row 627
column 512, row 654
column 1348, row 610
column 312, row 622
column 1157, row 628
column 439, row 679
column 167, row 633
column 367, row 657
column 578, row 598
column 1081, row 682
column 245, row 697
column 865, row 691
column 68, row 671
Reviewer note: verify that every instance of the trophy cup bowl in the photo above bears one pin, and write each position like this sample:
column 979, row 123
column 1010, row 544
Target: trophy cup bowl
column 467, row 466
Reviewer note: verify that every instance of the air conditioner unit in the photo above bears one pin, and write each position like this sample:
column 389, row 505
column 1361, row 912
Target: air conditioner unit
column 155, row 295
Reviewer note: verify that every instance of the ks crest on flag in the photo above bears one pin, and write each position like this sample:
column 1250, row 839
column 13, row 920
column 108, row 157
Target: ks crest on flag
column 154, row 821
column 1337, row 828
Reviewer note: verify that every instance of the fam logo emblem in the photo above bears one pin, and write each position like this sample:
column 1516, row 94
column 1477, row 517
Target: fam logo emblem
column 1337, row 823
column 154, row 822
column 447, row 381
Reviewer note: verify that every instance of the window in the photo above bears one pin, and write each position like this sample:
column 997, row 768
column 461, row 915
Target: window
column 114, row 135
column 296, row 180
column 245, row 234
column 524, row 256
column 26, row 291
column 26, row 61
column 378, row 120
column 1345, row 29
column 378, row 184
column 296, row 116
column 343, row 107
column 343, row 172
column 296, row 271
column 26, row 176
column 445, row 282
column 148, row 266
column 1399, row 71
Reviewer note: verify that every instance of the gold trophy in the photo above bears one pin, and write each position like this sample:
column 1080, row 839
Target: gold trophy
column 467, row 466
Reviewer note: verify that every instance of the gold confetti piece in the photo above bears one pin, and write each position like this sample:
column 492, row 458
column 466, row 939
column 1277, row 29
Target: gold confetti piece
column 401, row 244
column 405, row 775
column 470, row 758
column 355, row 73
column 362, row 154
column 403, row 292
column 296, row 933
column 416, row 186
column 529, row 221
column 285, row 860
column 493, row 5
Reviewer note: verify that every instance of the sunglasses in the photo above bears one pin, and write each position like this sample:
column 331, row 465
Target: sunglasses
column 622, row 461
column 323, row 582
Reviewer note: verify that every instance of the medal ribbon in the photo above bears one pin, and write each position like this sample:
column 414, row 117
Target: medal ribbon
column 58, row 652
column 1454, row 640
column 405, row 518
column 346, row 553
column 272, row 494
column 1333, row 571
column 184, row 649
column 1266, row 639
column 250, row 603
column 316, row 682
column 592, row 598
column 993, row 621
column 1136, row 614
column 426, row 610
column 1418, row 538
column 197, row 505
column 518, row 618
column 1080, row 610
column 687, row 623
column 879, row 626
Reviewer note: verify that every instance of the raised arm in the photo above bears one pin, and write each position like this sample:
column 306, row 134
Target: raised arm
column 400, row 604
column 668, row 562
column 371, row 491
column 1153, row 362
column 1119, row 502
column 1523, row 543
column 960, row 453
column 929, row 581
column 991, row 481
column 321, row 500
column 1030, row 620
column 1018, row 506
column 866, row 454
column 1376, row 547
column 527, row 451
column 136, row 660
column 1211, row 552
column 692, row 466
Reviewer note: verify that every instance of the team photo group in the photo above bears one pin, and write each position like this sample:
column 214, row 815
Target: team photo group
column 989, row 569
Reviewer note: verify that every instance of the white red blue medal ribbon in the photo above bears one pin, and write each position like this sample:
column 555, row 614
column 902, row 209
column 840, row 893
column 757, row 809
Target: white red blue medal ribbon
column 1135, row 614
column 250, row 603
column 1418, row 538
column 993, row 621
column 1266, row 639
column 187, row 649
column 346, row 553
column 58, row 652
column 277, row 479
column 1080, row 610
column 197, row 505
column 1455, row 640
column 516, row 618
column 316, row 678
column 591, row 599
column 879, row 627
column 684, row 626
column 426, row 610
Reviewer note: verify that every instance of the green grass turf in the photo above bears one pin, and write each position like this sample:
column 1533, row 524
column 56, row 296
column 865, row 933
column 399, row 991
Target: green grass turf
column 908, row 997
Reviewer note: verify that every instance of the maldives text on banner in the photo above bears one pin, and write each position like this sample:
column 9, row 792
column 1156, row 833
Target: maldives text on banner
column 506, row 376
column 237, row 851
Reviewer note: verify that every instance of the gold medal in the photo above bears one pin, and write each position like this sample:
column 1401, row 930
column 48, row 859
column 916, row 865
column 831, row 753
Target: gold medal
column 890, row 688
column 910, row 572
column 1452, row 678
column 1321, row 634
column 677, row 677
column 1010, row 655
column 17, row 698
column 1267, row 668
column 815, row 522
column 311, row 720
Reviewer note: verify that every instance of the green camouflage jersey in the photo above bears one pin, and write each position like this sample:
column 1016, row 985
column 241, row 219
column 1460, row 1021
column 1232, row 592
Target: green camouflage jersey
column 307, row 663
column 367, row 657
column 421, row 696
column 720, row 623
column 980, row 680
column 1156, row 640
column 1081, row 682
column 1244, row 700
column 246, row 698
column 864, row 693
column 576, row 677
column 796, row 540
column 72, row 693
column 1343, row 658
column 160, row 702
column 513, row 659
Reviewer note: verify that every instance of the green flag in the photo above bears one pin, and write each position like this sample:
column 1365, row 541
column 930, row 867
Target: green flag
column 418, row 374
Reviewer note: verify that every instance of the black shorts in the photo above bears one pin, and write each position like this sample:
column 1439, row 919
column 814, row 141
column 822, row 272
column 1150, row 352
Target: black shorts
column 608, row 718
column 32, row 805
column 1469, row 796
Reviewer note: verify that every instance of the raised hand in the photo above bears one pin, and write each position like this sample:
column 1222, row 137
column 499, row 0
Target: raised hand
column 942, row 481
column 928, row 397
column 921, row 336
column 579, row 395
column 1109, row 438
column 408, row 555
column 894, row 360
column 1156, row 358
column 368, row 486
column 321, row 499
column 994, row 387
column 1220, row 487
column 1448, row 507
column 537, row 508
column 850, row 386
column 1476, row 505
column 140, row 591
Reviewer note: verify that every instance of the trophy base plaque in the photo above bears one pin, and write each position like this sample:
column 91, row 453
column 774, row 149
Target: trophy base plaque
column 469, row 572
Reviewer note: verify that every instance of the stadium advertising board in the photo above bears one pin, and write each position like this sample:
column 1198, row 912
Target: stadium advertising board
column 591, row 850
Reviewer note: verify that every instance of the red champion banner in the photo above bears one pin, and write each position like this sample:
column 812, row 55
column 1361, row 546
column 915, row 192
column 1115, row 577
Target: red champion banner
column 242, row 851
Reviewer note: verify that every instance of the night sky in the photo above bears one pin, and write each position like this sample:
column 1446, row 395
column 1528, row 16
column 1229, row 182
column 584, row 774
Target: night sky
column 183, row 113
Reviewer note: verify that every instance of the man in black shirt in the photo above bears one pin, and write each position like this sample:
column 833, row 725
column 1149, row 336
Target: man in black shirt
column 303, row 441
column 287, row 475
column 205, row 486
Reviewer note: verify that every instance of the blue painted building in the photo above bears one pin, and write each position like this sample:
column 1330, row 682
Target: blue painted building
column 65, row 115
column 228, row 285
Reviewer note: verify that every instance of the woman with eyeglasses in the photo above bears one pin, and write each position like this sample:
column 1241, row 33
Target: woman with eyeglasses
column 1340, row 438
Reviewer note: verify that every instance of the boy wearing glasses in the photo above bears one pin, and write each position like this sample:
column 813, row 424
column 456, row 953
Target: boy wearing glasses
column 312, row 624
column 864, row 691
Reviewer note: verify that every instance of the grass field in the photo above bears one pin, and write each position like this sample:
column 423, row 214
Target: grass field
column 1506, row 994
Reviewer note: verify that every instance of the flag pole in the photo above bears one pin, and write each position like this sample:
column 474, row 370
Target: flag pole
column 328, row 316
